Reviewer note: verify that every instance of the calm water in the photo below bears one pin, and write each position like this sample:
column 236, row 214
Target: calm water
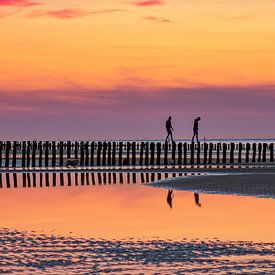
column 116, row 224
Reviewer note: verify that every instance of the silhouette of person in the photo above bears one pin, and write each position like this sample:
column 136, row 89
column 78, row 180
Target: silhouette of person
column 196, row 129
column 169, row 129
column 197, row 199
column 170, row 196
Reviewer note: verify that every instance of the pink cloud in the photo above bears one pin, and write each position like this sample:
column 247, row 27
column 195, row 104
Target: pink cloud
column 70, row 13
column 154, row 19
column 148, row 3
column 18, row 3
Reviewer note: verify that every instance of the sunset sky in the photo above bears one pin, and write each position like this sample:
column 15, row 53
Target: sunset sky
column 112, row 69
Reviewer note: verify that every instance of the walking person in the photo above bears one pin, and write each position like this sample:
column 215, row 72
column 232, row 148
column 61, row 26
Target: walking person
column 196, row 129
column 169, row 129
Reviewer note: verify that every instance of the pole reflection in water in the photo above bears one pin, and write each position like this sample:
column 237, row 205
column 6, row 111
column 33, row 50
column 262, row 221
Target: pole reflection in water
column 197, row 199
column 47, row 179
column 170, row 196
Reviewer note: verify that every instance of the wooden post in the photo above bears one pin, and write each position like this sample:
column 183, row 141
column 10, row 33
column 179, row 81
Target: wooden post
column 8, row 180
column 260, row 147
column 92, row 153
column 211, row 147
column 81, row 153
column 232, row 148
column 1, row 181
column 87, row 179
column 69, row 179
column 109, row 153
column 224, row 148
column 93, row 178
column 61, row 153
column 8, row 147
column 271, row 147
column 61, row 177
column 120, row 154
column 54, row 154
column 54, row 179
column 264, row 152
column 24, row 180
column 14, row 154
column 41, row 179
column 114, row 178
column 152, row 149
column 34, row 147
column 180, row 153
column 185, row 153
column 254, row 148
column 29, row 179
column 47, row 180
column 98, row 156
column 76, row 179
column 69, row 149
column 158, row 153
column 240, row 153
column 146, row 153
column 142, row 178
column 174, row 147
column 28, row 154
column 247, row 152
column 40, row 153
column 192, row 147
column 82, row 177
column 1, row 149
column 165, row 153
column 46, row 154
column 133, row 153
column 104, row 153
column 218, row 153
column 114, row 154
column 127, row 161
column 87, row 153
column 76, row 150
column 120, row 178
column 141, row 153
column 205, row 153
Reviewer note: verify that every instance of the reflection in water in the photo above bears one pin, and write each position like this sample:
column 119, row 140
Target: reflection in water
column 55, row 179
column 170, row 196
column 197, row 199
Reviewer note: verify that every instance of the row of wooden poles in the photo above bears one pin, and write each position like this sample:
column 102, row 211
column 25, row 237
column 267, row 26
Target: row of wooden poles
column 52, row 154
column 15, row 180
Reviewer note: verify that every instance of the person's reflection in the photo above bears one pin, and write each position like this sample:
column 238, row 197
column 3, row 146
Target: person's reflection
column 170, row 196
column 197, row 199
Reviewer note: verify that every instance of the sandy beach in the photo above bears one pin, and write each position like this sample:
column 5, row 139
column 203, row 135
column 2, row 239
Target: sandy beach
column 259, row 182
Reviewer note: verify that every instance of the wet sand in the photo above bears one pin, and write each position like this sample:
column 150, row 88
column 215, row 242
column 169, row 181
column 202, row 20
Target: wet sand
column 258, row 182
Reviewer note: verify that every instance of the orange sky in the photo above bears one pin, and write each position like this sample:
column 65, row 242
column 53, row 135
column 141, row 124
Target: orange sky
column 112, row 43
column 128, row 65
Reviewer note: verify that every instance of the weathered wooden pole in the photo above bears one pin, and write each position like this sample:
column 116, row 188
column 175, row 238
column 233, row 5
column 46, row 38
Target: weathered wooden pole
column 240, row 153
column 86, row 153
column 92, row 154
column 254, row 149
column 247, row 152
column 69, row 179
column 40, row 152
column 133, row 153
column 165, row 153
column 14, row 153
column 62, row 178
column 179, row 153
column 8, row 180
column 28, row 153
column 29, row 180
column 54, row 154
column 34, row 179
column 54, row 179
column 271, row 148
column 47, row 180
column 264, row 152
column 185, row 153
column 34, row 147
column 61, row 153
column 260, row 147
column 114, row 154
column 158, row 153
column 15, row 180
column 8, row 147
column 224, row 148
column 232, row 149
column 120, row 153
column 211, row 147
column 24, row 180
column 82, row 177
column 152, row 149
column 69, row 149
column 41, row 179
column 146, row 153
column 1, row 149
column 192, row 148
column 93, row 178
column 46, row 154
column 76, row 150
column 104, row 153
column 109, row 153
column 114, row 178
column 1, row 181
column 128, row 148
column 174, row 147
column 205, row 153
column 76, row 179
column 81, row 153
column 141, row 153
column 218, row 153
